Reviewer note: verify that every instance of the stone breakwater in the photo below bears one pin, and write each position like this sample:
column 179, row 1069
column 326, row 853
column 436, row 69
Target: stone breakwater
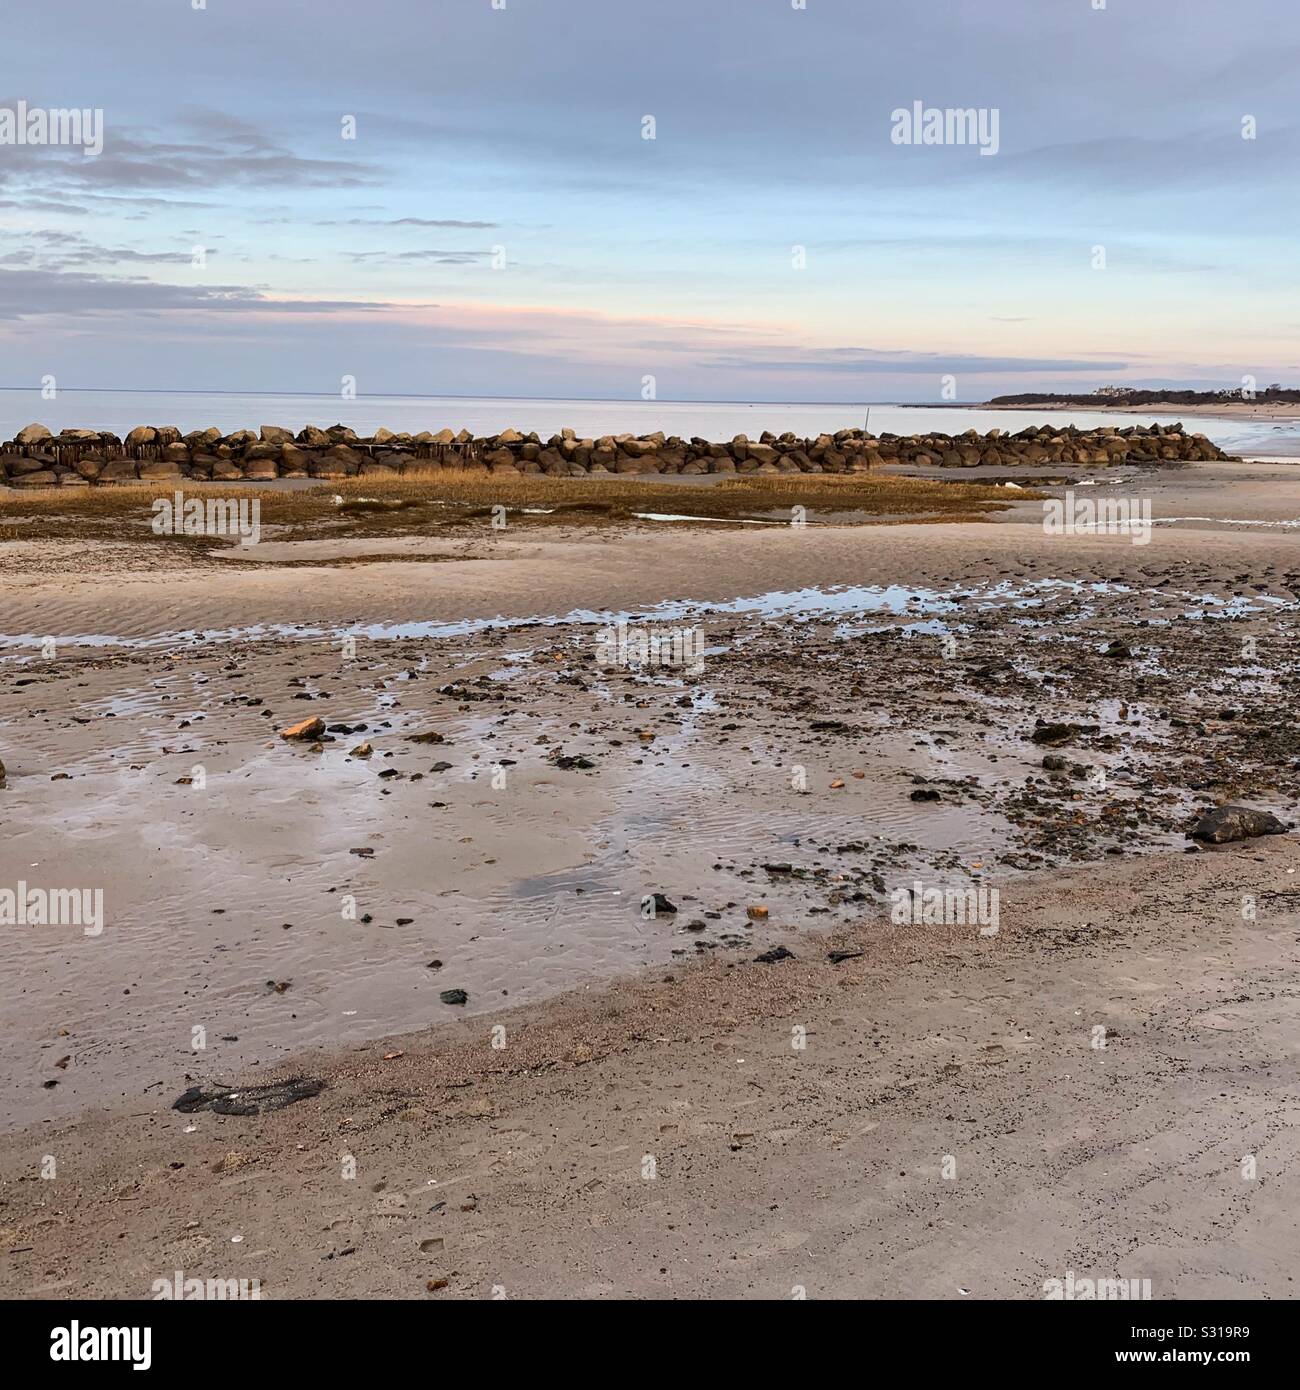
column 78, row 457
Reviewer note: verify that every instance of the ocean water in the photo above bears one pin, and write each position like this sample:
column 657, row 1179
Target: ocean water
column 120, row 411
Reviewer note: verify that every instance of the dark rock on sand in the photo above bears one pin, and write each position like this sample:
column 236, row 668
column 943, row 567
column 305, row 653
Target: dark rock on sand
column 1054, row 735
column 775, row 954
column 1228, row 823
column 567, row 762
column 248, row 1100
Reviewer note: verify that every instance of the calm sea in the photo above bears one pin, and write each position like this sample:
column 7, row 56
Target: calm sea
column 120, row 411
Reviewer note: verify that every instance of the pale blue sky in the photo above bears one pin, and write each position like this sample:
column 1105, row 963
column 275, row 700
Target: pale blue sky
column 500, row 227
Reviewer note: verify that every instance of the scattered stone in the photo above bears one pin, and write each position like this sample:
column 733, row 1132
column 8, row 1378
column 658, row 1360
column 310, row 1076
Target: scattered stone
column 662, row 906
column 454, row 996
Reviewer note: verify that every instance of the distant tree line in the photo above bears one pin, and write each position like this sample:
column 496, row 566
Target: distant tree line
column 1130, row 395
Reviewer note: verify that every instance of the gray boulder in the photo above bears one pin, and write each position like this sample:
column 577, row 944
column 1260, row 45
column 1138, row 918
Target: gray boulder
column 1228, row 823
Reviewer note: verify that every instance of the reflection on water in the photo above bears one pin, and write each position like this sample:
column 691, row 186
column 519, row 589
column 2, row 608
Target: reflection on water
column 808, row 604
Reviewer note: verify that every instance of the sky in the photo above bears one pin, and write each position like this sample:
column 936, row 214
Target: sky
column 457, row 197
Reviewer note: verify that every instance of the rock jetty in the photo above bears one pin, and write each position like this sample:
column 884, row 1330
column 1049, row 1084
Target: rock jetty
column 159, row 453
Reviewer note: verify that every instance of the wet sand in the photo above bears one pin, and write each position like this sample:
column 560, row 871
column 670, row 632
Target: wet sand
column 665, row 1139
column 524, row 878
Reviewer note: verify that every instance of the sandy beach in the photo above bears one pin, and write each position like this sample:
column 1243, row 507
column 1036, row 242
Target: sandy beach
column 682, row 1096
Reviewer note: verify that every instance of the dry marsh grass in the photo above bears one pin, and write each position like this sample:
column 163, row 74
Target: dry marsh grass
column 442, row 500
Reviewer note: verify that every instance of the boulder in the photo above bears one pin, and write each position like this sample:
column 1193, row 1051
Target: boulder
column 275, row 434
column 1228, row 823
column 326, row 469
column 32, row 434
column 119, row 471
column 140, row 436
column 341, row 457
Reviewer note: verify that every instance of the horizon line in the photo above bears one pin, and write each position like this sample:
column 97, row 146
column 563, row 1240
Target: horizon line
column 441, row 396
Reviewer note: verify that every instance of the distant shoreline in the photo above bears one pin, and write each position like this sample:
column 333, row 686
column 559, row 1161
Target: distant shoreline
column 1232, row 410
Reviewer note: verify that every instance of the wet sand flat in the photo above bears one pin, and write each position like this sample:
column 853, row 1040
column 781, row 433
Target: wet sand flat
column 950, row 1129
